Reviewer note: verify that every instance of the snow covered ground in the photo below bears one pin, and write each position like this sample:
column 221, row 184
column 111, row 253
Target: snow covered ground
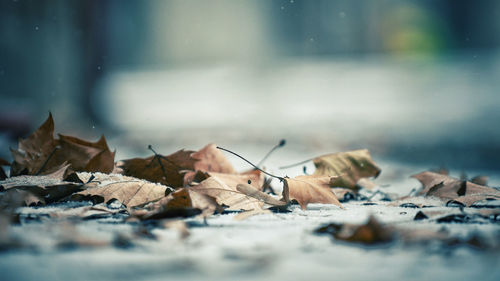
column 266, row 247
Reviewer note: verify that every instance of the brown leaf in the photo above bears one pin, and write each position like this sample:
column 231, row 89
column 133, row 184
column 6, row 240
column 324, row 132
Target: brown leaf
column 34, row 150
column 481, row 180
column 226, row 195
column 129, row 191
column 40, row 153
column 370, row 233
column 184, row 202
column 343, row 194
column 448, row 188
column 45, row 189
column 211, row 159
column 84, row 155
column 309, row 189
column 347, row 167
column 259, row 195
column 473, row 199
column 168, row 170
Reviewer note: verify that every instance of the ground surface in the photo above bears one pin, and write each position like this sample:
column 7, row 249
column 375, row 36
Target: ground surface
column 412, row 116
column 265, row 247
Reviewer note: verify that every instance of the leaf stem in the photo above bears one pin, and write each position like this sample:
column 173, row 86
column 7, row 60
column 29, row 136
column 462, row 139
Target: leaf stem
column 243, row 158
column 296, row 164
column 280, row 144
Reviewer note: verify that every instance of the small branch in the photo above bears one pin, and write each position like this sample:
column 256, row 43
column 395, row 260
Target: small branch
column 280, row 144
column 241, row 157
column 296, row 164
column 157, row 156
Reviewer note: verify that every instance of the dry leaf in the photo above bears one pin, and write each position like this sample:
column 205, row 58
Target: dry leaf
column 370, row 233
column 34, row 150
column 211, row 159
column 226, row 195
column 181, row 203
column 259, row 195
column 84, row 155
column 256, row 179
column 40, row 153
column 44, row 189
column 448, row 188
column 168, row 170
column 347, row 167
column 344, row 194
column 309, row 189
column 129, row 191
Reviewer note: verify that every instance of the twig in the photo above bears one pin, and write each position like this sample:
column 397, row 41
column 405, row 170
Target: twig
column 241, row 157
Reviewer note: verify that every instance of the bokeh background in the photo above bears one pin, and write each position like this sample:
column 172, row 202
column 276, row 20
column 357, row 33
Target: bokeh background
column 413, row 81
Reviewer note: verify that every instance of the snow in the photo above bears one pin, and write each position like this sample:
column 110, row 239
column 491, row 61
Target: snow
column 266, row 247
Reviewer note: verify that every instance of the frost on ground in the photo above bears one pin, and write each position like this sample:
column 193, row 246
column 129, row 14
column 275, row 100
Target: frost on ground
column 264, row 247
column 268, row 247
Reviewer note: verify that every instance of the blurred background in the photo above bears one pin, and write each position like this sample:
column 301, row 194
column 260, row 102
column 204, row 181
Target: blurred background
column 414, row 81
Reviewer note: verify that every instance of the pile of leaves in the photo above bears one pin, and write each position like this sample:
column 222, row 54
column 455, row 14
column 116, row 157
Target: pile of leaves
column 167, row 188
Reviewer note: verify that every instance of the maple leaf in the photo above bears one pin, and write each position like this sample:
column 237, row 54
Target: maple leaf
column 211, row 159
column 129, row 191
column 44, row 189
column 227, row 195
column 309, row 189
column 34, row 150
column 451, row 189
column 347, row 167
column 251, row 191
column 40, row 153
column 84, row 155
column 184, row 202
column 168, row 170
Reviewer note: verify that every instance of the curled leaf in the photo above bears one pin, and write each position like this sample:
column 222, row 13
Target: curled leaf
column 347, row 167
column 309, row 189
column 129, row 191
column 227, row 195
column 167, row 170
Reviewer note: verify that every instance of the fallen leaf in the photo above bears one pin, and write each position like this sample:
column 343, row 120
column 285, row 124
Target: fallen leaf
column 45, row 189
column 226, row 195
column 474, row 199
column 481, row 180
column 309, row 189
column 347, row 167
column 84, row 155
column 211, row 159
column 41, row 154
column 451, row 189
column 168, row 170
column 129, row 191
column 34, row 151
column 259, row 195
column 254, row 178
column 370, row 233
column 344, row 194
column 184, row 202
